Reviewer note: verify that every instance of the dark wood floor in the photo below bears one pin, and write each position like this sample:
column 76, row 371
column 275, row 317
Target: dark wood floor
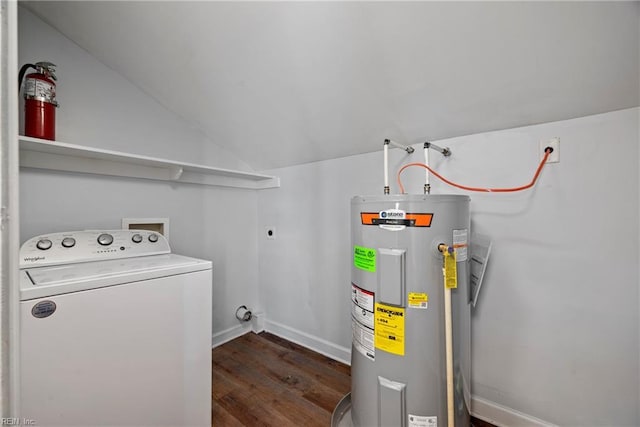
column 264, row 380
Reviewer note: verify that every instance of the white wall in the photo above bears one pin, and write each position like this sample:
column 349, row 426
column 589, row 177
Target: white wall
column 99, row 108
column 555, row 334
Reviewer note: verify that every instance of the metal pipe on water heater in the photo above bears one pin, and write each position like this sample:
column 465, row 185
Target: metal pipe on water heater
column 386, row 166
column 427, row 185
column 409, row 149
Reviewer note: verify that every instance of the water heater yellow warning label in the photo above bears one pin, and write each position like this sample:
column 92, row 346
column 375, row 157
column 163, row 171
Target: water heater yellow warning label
column 418, row 300
column 450, row 270
column 389, row 329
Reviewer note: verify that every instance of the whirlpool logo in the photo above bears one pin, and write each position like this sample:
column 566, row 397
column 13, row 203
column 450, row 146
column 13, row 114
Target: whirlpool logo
column 33, row 258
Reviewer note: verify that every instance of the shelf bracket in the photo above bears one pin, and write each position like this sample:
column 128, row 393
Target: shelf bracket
column 176, row 172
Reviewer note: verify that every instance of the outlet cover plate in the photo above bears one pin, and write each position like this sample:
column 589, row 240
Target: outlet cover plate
column 554, row 143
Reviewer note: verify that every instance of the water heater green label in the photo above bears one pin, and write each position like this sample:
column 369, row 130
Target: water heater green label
column 364, row 258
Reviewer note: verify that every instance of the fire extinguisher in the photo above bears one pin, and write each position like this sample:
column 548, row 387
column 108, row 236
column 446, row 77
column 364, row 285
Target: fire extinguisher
column 39, row 100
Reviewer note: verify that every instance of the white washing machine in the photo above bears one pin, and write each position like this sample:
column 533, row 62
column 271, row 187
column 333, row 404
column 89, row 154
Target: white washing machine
column 115, row 331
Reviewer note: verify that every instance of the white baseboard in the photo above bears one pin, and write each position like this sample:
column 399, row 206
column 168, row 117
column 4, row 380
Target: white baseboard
column 333, row 351
column 257, row 322
column 227, row 335
column 503, row 416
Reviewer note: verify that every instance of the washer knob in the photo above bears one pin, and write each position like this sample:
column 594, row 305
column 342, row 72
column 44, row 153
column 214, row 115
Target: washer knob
column 68, row 242
column 153, row 238
column 44, row 244
column 136, row 238
column 105, row 239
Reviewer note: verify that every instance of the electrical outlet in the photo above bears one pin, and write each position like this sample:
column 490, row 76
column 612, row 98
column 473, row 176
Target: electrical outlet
column 554, row 143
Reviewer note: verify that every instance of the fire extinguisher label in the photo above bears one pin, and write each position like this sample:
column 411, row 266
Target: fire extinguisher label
column 39, row 89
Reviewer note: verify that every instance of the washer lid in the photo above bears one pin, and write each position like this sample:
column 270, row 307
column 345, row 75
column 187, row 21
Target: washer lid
column 41, row 282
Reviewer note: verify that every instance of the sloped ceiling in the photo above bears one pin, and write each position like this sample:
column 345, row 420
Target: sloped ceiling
column 284, row 83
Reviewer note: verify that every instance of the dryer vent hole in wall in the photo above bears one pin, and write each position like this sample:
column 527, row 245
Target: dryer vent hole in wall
column 270, row 233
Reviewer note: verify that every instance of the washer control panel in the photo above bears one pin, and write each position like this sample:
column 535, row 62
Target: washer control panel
column 82, row 246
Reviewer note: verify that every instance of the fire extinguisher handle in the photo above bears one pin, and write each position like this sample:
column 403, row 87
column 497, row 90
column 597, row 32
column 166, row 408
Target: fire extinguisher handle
column 23, row 70
column 47, row 68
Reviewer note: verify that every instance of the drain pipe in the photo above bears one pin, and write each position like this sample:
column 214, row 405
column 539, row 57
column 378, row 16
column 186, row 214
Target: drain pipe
column 243, row 314
column 385, row 147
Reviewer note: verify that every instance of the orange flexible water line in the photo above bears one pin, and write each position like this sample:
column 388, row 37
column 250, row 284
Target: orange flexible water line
column 485, row 190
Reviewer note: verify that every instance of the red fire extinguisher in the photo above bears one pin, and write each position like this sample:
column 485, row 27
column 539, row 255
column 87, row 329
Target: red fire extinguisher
column 39, row 100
